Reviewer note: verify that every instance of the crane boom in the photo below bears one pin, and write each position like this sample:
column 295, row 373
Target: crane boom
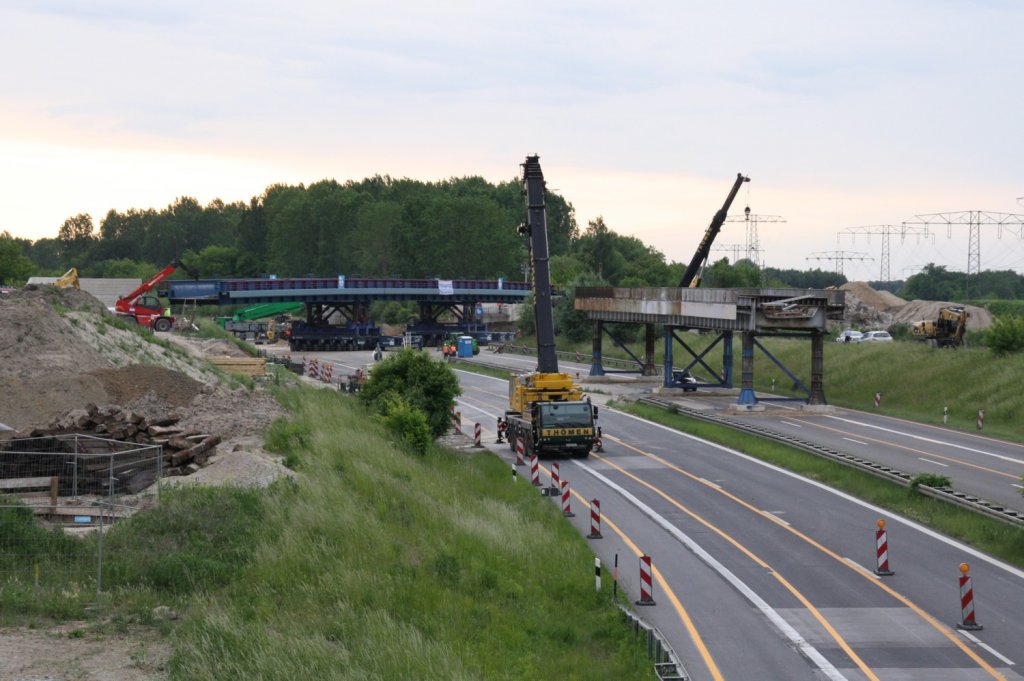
column 690, row 276
column 537, row 230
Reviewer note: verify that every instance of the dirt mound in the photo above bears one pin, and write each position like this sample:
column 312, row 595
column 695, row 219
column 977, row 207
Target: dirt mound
column 869, row 308
column 917, row 310
column 879, row 300
column 135, row 382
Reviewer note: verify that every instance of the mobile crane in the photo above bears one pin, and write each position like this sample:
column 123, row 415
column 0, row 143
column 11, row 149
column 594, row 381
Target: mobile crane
column 692, row 275
column 546, row 409
column 147, row 310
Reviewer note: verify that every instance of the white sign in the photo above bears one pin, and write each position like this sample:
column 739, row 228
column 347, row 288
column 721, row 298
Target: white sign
column 444, row 286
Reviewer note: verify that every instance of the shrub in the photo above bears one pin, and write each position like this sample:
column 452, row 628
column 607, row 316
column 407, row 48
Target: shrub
column 408, row 423
column 1006, row 335
column 930, row 480
column 423, row 383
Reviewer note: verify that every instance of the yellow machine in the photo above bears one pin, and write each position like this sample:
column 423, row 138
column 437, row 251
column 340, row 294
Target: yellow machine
column 67, row 280
column 945, row 332
column 547, row 411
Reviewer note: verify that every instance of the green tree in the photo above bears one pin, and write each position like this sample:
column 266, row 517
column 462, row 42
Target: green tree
column 76, row 237
column 412, row 377
column 15, row 267
column 744, row 274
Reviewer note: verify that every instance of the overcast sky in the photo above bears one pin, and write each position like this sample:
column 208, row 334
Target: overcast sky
column 844, row 114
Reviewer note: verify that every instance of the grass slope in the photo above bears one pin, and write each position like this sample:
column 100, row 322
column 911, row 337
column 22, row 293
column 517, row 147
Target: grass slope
column 378, row 564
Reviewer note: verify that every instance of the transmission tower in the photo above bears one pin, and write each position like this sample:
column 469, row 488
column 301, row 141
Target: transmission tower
column 974, row 219
column 753, row 244
column 886, row 231
column 839, row 257
column 738, row 251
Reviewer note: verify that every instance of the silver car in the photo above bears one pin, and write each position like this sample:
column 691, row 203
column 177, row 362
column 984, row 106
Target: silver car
column 876, row 337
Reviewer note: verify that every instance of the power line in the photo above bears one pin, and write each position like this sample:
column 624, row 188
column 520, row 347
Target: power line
column 839, row 257
column 887, row 231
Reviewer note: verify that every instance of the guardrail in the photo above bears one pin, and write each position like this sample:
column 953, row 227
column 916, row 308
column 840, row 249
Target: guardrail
column 946, row 494
column 666, row 664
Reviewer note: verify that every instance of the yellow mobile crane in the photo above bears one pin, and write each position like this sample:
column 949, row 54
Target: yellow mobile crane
column 546, row 408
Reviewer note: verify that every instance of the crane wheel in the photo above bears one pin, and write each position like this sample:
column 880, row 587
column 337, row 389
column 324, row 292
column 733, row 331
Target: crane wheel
column 161, row 324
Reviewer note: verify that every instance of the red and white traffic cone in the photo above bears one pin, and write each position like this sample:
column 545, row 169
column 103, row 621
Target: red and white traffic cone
column 519, row 452
column 534, row 470
column 967, row 620
column 457, row 422
column 566, row 507
column 882, row 550
column 646, row 586
column 501, row 432
column 981, row 418
column 554, row 478
column 878, row 400
column 578, row 358
column 476, row 435
column 595, row 519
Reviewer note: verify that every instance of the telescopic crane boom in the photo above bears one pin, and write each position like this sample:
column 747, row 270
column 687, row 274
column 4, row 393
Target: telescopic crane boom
column 537, row 230
column 691, row 277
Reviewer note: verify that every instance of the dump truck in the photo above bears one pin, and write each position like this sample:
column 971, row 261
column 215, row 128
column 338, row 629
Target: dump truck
column 547, row 410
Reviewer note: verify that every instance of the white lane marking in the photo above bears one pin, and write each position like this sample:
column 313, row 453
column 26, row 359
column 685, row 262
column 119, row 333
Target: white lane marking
column 790, row 423
column 857, row 441
column 771, row 515
column 774, row 617
column 474, row 408
column 930, row 440
column 1018, row 486
column 715, row 484
column 906, row 522
column 944, row 465
column 1016, row 572
column 971, row 637
column 860, row 567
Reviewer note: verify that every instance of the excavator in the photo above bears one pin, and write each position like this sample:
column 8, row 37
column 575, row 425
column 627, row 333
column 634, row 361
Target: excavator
column 145, row 308
column 945, row 332
column 68, row 280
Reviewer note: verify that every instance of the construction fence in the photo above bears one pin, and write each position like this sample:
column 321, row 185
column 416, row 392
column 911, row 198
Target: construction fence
column 59, row 497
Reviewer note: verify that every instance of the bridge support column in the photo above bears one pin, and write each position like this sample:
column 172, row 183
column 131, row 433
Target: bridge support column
column 747, row 396
column 727, row 359
column 817, row 395
column 595, row 354
column 649, row 369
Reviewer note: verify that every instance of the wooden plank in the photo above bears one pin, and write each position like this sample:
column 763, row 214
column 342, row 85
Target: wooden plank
column 250, row 366
column 27, row 483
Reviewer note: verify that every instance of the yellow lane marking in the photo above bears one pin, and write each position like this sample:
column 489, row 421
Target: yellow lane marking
column 680, row 610
column 911, row 449
column 752, row 556
column 870, row 579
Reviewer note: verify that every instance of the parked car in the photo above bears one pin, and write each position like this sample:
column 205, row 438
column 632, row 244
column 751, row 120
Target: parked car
column 849, row 336
column 876, row 337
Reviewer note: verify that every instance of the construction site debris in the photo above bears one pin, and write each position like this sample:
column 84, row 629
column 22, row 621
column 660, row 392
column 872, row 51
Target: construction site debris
column 872, row 309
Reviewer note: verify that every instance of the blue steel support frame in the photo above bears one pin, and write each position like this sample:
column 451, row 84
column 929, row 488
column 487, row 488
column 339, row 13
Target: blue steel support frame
column 796, row 381
column 596, row 368
column 670, row 373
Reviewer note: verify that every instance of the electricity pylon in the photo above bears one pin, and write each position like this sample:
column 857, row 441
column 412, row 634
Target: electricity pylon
column 839, row 257
column 886, row 231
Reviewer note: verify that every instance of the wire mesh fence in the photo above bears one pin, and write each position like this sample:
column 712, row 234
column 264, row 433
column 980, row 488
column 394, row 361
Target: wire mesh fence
column 59, row 495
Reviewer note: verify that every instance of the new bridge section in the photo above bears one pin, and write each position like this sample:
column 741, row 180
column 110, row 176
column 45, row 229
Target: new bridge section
column 343, row 290
column 752, row 312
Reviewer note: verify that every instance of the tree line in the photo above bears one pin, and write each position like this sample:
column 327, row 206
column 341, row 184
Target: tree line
column 386, row 227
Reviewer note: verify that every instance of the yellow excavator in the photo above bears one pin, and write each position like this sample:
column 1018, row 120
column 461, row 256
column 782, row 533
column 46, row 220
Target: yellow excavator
column 68, row 280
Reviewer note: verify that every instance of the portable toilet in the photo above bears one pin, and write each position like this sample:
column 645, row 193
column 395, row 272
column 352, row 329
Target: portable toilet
column 465, row 346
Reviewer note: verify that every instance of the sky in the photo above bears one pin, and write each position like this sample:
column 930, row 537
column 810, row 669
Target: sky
column 850, row 118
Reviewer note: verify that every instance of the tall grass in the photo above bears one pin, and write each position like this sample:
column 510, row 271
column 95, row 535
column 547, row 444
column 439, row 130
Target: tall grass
column 379, row 564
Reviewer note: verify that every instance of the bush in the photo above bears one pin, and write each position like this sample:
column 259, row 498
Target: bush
column 423, row 383
column 408, row 423
column 930, row 480
column 1006, row 335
